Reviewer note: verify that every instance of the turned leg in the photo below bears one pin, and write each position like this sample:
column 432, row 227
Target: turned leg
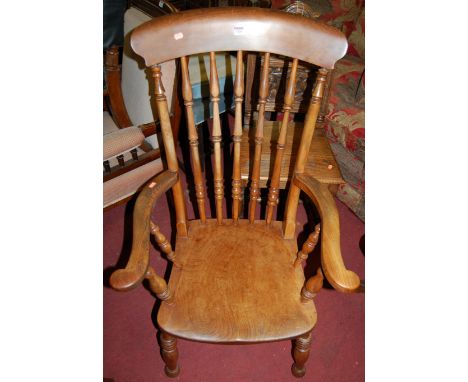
column 170, row 354
column 301, row 354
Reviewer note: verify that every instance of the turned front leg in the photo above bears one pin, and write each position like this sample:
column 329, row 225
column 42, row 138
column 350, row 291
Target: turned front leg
column 170, row 354
column 301, row 354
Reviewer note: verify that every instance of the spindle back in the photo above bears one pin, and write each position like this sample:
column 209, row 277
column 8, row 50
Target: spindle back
column 237, row 29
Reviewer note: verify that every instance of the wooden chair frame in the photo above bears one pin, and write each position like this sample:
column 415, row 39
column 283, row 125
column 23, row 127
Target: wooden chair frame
column 241, row 30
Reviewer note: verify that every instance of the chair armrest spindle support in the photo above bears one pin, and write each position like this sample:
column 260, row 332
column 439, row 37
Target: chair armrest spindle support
column 333, row 267
column 138, row 265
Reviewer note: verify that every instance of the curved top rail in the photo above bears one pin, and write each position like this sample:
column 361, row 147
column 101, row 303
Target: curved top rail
column 238, row 28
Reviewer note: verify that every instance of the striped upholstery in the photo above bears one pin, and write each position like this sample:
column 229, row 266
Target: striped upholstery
column 121, row 141
column 127, row 184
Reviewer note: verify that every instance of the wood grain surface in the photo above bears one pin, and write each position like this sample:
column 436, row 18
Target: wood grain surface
column 236, row 283
column 137, row 266
column 238, row 28
column 333, row 266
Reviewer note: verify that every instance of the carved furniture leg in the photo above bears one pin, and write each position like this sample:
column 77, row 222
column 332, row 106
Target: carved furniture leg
column 170, row 354
column 301, row 354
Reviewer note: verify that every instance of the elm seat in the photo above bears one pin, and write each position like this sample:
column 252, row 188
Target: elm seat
column 225, row 258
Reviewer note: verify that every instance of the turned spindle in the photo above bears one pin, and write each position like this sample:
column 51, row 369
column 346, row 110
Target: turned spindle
column 263, row 93
column 326, row 94
column 312, row 286
column 273, row 193
column 159, row 286
column 289, row 223
column 171, row 157
column 162, row 241
column 216, row 139
column 193, row 139
column 308, row 246
column 237, row 136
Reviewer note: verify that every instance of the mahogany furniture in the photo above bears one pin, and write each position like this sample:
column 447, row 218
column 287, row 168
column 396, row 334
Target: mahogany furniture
column 236, row 280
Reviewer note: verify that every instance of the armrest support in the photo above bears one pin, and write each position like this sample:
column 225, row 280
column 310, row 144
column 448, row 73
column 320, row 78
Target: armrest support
column 335, row 271
column 138, row 264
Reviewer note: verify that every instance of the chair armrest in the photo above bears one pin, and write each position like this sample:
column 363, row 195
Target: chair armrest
column 137, row 266
column 335, row 271
column 121, row 141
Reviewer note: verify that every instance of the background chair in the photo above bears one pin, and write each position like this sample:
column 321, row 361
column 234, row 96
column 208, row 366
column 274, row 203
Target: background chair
column 131, row 149
column 236, row 280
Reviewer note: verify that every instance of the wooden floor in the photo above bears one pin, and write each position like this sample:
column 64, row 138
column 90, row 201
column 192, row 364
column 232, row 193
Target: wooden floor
column 238, row 286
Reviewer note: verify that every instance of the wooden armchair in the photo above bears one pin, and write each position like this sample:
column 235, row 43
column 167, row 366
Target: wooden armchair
column 236, row 280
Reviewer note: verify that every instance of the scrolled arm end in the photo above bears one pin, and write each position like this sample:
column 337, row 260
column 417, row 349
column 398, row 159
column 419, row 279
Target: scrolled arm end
column 125, row 279
column 135, row 271
column 342, row 279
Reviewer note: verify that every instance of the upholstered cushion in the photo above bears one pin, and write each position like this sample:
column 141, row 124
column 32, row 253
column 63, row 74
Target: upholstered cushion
column 127, row 184
column 122, row 140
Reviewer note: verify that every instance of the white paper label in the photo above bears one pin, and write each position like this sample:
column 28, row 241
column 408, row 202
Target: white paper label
column 246, row 28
